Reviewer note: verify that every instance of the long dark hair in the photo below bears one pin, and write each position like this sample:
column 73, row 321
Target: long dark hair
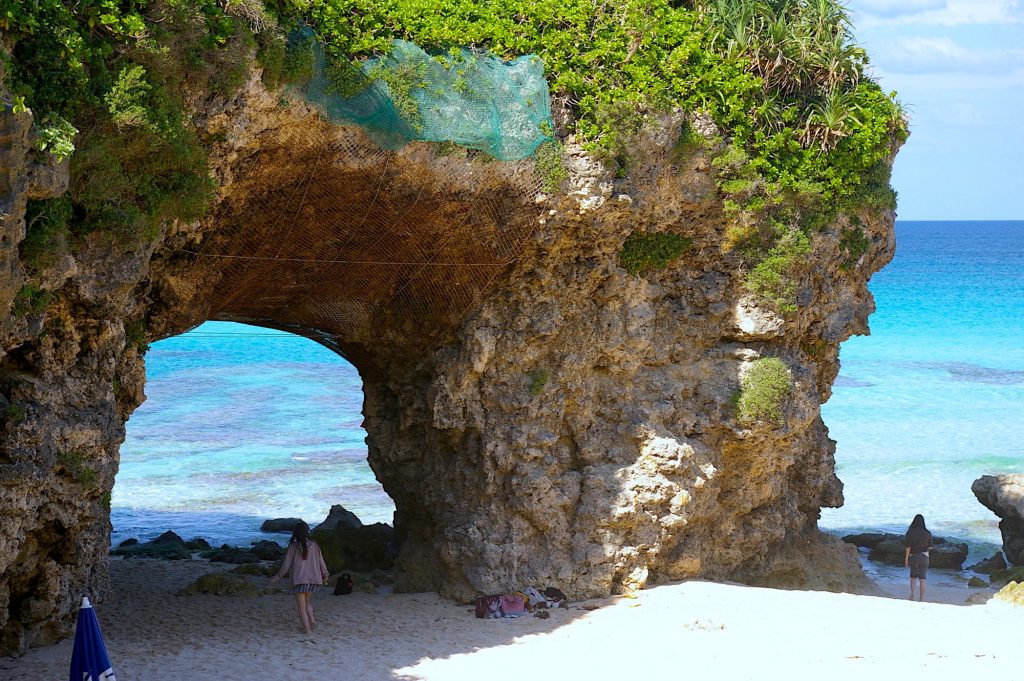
column 300, row 536
column 918, row 522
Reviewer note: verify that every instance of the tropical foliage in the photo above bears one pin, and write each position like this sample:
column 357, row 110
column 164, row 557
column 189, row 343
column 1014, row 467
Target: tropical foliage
column 804, row 131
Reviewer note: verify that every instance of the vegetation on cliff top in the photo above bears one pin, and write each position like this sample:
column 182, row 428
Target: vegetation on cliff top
column 804, row 131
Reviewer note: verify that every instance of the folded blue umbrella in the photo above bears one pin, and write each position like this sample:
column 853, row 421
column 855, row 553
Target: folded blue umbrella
column 89, row 660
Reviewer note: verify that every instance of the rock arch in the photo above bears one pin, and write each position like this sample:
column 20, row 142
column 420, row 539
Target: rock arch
column 538, row 414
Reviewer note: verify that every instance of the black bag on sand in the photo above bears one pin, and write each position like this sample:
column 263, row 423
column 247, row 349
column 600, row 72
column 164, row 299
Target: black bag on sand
column 344, row 585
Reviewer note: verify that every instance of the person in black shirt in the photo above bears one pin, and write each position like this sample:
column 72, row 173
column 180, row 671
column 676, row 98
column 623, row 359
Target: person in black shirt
column 915, row 556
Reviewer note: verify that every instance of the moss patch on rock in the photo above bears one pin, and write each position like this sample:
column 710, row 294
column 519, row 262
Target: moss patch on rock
column 650, row 252
column 221, row 584
column 1015, row 574
column 1012, row 593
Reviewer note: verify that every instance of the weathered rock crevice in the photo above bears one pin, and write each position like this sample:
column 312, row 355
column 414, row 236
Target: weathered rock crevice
column 538, row 414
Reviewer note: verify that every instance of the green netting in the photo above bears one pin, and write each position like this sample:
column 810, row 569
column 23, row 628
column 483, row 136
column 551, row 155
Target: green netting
column 473, row 99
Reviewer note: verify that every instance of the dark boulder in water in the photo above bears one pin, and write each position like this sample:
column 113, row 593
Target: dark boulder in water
column 279, row 524
column 241, row 555
column 168, row 546
column 231, row 554
column 1002, row 577
column 948, row 556
column 347, row 544
column 990, row 565
column 1004, row 496
column 339, row 518
column 944, row 555
column 867, row 539
column 267, row 550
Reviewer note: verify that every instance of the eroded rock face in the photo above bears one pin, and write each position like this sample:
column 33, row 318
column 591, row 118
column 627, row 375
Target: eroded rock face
column 539, row 415
column 1004, row 496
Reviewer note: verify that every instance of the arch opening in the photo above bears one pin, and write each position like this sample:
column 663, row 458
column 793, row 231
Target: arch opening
column 243, row 424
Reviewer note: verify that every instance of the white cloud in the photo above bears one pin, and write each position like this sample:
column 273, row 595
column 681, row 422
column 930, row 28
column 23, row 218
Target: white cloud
column 943, row 55
column 896, row 8
column 937, row 12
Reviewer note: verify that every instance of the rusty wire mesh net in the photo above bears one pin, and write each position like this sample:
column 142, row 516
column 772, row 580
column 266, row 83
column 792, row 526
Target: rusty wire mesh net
column 323, row 230
column 348, row 232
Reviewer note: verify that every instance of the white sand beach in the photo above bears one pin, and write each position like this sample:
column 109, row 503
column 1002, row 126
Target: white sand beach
column 673, row 631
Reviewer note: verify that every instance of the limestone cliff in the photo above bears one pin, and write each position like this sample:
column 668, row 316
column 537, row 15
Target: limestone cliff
column 539, row 414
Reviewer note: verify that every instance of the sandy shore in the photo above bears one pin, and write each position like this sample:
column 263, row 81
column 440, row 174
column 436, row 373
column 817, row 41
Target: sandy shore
column 673, row 631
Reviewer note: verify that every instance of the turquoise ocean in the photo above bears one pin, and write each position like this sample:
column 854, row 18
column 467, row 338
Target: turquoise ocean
column 243, row 424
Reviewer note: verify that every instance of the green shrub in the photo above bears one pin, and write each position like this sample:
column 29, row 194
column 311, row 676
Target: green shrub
column 135, row 335
column 763, row 388
column 47, row 232
column 538, row 379
column 795, row 97
column 55, row 135
column 550, row 164
column 128, row 99
column 815, row 347
column 687, row 144
column 270, row 54
column 299, row 58
column 855, row 243
column 30, row 300
column 783, row 81
column 649, row 252
column 74, row 464
column 773, row 279
column 14, row 413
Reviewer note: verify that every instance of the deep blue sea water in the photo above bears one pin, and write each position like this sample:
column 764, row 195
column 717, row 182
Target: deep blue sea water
column 933, row 398
column 243, row 424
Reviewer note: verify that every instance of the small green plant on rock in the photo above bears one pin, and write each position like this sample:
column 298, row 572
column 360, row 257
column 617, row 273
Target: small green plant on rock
column 550, row 164
column 30, row 301
column 855, row 243
column 773, row 279
column 763, row 387
column 135, row 335
column 815, row 347
column 538, row 379
column 14, row 413
column 77, row 467
column 47, row 234
column 688, row 144
column 649, row 252
column 57, row 136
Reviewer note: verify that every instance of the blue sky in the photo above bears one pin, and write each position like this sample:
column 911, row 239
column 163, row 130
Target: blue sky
column 958, row 66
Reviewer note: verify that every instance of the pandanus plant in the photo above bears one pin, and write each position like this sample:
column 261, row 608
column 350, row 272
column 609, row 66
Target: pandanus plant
column 800, row 49
column 829, row 120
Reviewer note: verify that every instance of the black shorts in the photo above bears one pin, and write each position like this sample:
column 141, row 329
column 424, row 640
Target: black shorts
column 918, row 566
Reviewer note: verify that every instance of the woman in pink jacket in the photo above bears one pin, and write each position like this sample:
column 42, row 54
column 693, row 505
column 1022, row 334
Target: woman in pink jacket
column 308, row 571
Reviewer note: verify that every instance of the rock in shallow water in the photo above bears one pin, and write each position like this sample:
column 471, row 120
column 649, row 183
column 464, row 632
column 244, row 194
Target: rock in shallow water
column 990, row 565
column 279, row 524
column 168, row 546
column 889, row 548
column 1004, row 496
